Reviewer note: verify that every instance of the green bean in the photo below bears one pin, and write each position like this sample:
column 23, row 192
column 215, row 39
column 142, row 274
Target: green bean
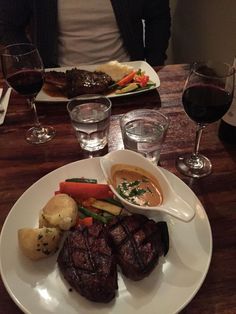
column 82, row 180
column 96, row 216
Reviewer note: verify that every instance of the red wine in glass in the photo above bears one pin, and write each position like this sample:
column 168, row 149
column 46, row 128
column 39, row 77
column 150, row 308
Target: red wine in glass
column 24, row 72
column 206, row 103
column 207, row 96
column 26, row 82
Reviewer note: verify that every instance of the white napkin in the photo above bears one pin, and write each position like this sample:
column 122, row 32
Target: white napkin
column 4, row 102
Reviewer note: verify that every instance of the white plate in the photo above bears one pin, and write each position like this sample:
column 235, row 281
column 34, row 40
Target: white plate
column 38, row 287
column 144, row 66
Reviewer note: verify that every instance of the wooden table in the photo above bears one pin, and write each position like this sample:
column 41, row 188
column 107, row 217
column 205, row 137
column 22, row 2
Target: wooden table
column 22, row 164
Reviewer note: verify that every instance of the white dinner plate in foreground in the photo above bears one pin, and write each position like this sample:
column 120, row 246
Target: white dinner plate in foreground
column 144, row 66
column 39, row 288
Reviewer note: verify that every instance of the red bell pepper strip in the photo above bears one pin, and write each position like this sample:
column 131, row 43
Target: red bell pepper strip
column 142, row 79
column 87, row 221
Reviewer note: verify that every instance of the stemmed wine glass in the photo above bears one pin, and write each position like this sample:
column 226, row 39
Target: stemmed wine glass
column 207, row 96
column 24, row 71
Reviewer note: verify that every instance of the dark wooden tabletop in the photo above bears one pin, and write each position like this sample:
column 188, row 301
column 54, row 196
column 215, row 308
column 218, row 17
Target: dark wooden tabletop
column 22, row 164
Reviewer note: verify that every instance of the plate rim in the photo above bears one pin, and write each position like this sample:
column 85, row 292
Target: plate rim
column 209, row 231
column 49, row 98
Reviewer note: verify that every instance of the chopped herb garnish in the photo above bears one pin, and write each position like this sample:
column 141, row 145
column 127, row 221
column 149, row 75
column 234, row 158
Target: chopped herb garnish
column 120, row 191
column 40, row 236
column 136, row 192
column 134, row 183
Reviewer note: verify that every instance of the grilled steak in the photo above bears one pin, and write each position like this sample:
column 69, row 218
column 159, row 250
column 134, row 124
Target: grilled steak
column 138, row 242
column 85, row 82
column 76, row 82
column 57, row 79
column 87, row 263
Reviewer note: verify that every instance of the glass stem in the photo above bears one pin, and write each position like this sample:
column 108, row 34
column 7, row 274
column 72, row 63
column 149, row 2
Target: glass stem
column 200, row 128
column 33, row 107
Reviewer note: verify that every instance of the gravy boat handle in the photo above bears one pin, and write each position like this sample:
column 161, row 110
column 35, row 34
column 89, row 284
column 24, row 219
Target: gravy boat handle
column 178, row 208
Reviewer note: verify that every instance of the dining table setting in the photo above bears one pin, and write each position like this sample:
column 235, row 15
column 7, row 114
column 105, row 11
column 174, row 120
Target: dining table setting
column 198, row 274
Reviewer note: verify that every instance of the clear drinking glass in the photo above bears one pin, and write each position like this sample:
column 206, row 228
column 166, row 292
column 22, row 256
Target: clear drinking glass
column 90, row 117
column 207, row 96
column 144, row 131
column 24, row 71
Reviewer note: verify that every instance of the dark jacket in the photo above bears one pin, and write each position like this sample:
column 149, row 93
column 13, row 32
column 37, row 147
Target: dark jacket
column 41, row 15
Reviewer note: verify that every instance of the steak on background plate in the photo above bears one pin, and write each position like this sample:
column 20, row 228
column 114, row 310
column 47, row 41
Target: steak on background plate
column 88, row 264
column 138, row 242
column 76, row 82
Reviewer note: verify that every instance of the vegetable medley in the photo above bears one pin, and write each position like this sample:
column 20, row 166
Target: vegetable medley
column 78, row 202
column 94, row 200
column 136, row 80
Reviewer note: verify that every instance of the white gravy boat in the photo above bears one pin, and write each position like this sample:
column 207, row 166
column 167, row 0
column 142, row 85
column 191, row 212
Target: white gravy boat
column 172, row 203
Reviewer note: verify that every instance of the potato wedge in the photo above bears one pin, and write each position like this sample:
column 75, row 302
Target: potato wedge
column 60, row 211
column 39, row 243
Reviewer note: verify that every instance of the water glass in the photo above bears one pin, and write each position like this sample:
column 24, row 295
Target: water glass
column 90, row 117
column 143, row 131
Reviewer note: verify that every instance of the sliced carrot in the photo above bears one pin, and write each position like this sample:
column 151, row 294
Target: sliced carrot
column 87, row 221
column 127, row 79
column 84, row 191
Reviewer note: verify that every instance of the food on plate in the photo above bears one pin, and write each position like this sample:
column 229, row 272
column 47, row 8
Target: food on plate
column 137, row 243
column 129, row 88
column 90, row 254
column 87, row 262
column 81, row 190
column 111, row 77
column 101, row 235
column 60, row 211
column 76, row 82
column 39, row 243
column 115, row 69
column 136, row 185
column 106, row 206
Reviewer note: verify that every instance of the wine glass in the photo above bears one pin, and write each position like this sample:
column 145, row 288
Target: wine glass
column 207, row 96
column 24, row 71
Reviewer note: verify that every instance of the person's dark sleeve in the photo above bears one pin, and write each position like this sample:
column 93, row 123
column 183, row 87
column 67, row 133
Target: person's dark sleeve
column 157, row 30
column 14, row 17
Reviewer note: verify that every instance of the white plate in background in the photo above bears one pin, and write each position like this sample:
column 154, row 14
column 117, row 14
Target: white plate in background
column 144, row 66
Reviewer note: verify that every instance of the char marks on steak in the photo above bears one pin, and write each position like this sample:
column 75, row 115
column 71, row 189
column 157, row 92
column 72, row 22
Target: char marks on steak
column 76, row 82
column 85, row 82
column 138, row 242
column 88, row 264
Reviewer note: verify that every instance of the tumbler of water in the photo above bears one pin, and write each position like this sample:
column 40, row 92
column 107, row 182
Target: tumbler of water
column 90, row 117
column 143, row 131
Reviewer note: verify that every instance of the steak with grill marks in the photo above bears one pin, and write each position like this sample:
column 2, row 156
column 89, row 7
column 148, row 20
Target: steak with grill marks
column 76, row 82
column 87, row 263
column 138, row 242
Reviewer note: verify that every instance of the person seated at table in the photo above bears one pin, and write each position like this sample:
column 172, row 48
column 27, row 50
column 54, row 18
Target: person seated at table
column 89, row 32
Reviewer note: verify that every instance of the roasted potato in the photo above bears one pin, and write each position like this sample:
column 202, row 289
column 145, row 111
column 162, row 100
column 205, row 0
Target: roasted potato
column 39, row 243
column 60, row 211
